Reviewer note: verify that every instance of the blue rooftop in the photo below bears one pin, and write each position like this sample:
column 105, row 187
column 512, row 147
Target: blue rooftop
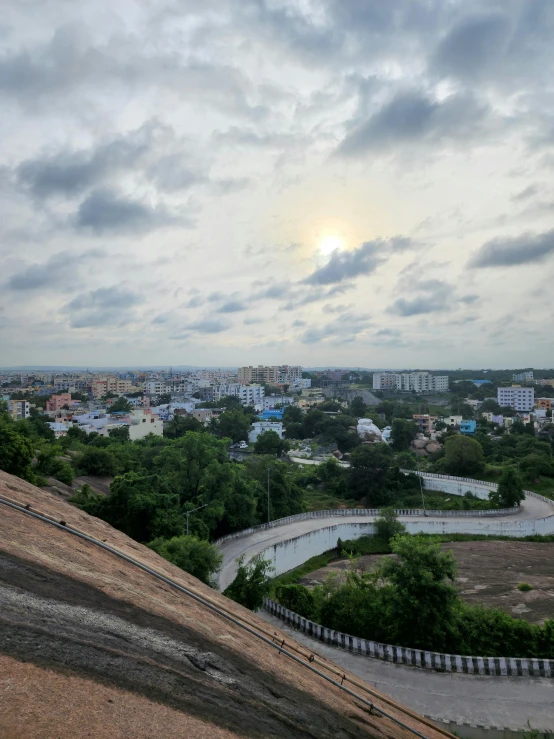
column 468, row 427
column 271, row 415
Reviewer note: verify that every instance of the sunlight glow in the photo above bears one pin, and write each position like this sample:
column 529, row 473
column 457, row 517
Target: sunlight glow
column 328, row 244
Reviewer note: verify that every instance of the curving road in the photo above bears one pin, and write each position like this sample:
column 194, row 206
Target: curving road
column 492, row 701
column 532, row 509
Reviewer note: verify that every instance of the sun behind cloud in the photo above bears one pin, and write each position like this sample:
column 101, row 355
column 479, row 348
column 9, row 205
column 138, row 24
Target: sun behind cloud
column 329, row 244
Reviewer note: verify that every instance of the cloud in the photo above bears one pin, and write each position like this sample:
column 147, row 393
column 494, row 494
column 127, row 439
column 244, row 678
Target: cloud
column 103, row 211
column 435, row 298
column 413, row 117
column 57, row 272
column 233, row 306
column 347, row 265
column 345, row 328
column 527, row 248
column 208, row 326
column 527, row 192
column 473, row 45
column 106, row 306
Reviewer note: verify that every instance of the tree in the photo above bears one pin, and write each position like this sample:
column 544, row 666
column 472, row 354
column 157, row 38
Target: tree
column 98, row 462
column 422, row 601
column 510, row 489
column 370, row 474
column 387, row 526
column 403, row 432
column 121, row 405
column 16, row 454
column 164, row 399
column 180, row 425
column 234, row 425
column 196, row 556
column 251, row 583
column 463, row 456
column 358, row 407
column 270, row 443
column 292, row 414
column 535, row 465
column 119, row 433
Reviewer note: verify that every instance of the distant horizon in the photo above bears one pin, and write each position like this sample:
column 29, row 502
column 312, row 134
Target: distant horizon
column 225, row 368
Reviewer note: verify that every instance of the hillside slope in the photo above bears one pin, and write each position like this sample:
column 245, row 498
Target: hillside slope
column 92, row 646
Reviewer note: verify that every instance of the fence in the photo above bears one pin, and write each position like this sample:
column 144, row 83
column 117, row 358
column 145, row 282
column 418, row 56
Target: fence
column 500, row 666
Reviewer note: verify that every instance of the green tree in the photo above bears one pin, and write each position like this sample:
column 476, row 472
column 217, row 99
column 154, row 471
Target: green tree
column 510, row 489
column 370, row 474
column 234, row 425
column 164, row 399
column 463, row 456
column 119, row 433
column 358, row 408
column 121, row 405
column 251, row 584
column 387, row 526
column 16, row 454
column 100, row 462
column 403, row 432
column 270, row 443
column 292, row 414
column 196, row 556
column 422, row 601
column 181, row 425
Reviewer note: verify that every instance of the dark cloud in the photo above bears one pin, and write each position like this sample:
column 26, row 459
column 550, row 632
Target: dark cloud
column 275, row 291
column 510, row 251
column 414, row 117
column 298, row 323
column 527, row 192
column 208, row 326
column 473, row 45
column 58, row 272
column 107, row 306
column 469, row 299
column 233, row 306
column 347, row 265
column 104, row 211
column 344, row 328
column 435, row 296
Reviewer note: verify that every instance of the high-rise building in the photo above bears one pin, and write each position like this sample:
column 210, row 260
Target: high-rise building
column 523, row 377
column 269, row 375
column 419, row 382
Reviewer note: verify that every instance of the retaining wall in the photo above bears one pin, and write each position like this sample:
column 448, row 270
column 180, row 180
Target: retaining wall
column 499, row 666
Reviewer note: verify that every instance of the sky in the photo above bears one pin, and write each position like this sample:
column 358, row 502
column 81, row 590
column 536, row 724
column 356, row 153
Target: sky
column 230, row 182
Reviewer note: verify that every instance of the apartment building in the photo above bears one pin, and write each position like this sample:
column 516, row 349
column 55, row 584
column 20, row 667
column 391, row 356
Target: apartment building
column 424, row 422
column 57, row 402
column 545, row 403
column 19, row 409
column 269, row 375
column 252, row 395
column 260, row 427
column 105, row 385
column 419, row 382
column 516, row 397
column 523, row 377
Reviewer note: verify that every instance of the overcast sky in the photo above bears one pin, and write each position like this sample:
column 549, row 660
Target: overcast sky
column 227, row 182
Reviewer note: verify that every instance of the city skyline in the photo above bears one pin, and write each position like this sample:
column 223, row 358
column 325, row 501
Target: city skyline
column 230, row 183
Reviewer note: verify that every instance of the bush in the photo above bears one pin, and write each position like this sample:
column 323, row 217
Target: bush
column 297, row 598
column 524, row 587
column 388, row 526
column 197, row 557
column 251, row 584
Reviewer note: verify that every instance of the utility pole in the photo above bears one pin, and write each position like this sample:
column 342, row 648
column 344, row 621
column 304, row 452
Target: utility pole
column 420, row 484
column 268, row 498
column 187, row 513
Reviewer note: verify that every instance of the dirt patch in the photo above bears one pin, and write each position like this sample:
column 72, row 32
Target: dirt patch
column 488, row 574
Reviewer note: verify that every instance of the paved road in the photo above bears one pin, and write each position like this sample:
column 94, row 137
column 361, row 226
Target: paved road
column 255, row 543
column 508, row 702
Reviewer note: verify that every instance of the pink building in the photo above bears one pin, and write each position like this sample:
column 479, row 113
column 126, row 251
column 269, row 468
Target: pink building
column 57, row 402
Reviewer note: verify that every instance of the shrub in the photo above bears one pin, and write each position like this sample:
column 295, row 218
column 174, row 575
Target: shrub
column 524, row 587
column 251, row 584
column 197, row 557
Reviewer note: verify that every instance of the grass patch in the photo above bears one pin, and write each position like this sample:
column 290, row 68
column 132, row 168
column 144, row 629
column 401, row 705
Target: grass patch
column 524, row 587
column 312, row 564
column 321, row 500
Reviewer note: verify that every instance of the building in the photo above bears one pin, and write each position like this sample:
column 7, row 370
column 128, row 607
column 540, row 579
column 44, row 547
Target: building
column 57, row 402
column 468, row 427
column 452, row 420
column 59, row 429
column 545, row 403
column 516, row 397
column 407, row 382
column 271, row 415
column 252, row 395
column 424, row 422
column 269, row 375
column 523, row 377
column 260, row 427
column 105, row 385
column 19, row 409
column 546, row 381
column 144, row 422
column 272, row 401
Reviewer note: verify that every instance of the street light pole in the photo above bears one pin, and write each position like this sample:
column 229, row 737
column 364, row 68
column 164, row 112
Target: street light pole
column 187, row 513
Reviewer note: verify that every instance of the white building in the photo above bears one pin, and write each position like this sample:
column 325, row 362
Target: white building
column 452, row 420
column 252, row 395
column 301, row 383
column 419, row 382
column 272, row 401
column 523, row 377
column 144, row 422
column 19, row 409
column 260, row 427
column 59, row 429
column 518, row 398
